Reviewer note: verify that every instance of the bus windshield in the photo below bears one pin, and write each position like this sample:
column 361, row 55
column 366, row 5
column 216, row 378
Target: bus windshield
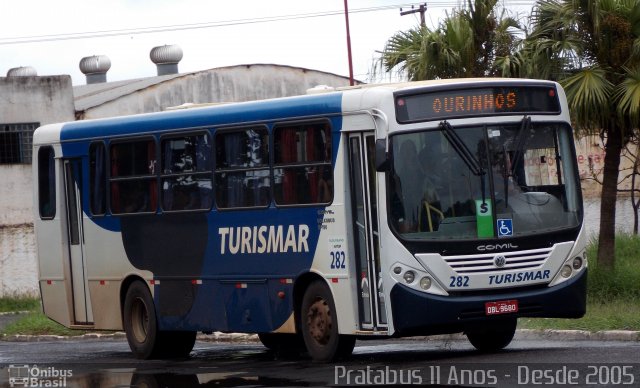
column 479, row 182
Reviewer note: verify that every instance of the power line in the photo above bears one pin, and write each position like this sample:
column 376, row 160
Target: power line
column 181, row 27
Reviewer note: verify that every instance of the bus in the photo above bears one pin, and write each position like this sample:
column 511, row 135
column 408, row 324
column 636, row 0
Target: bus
column 374, row 211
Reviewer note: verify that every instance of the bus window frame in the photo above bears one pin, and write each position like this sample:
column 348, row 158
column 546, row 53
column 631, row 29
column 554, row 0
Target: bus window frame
column 53, row 194
column 155, row 176
column 107, row 170
column 269, row 165
column 161, row 175
column 322, row 120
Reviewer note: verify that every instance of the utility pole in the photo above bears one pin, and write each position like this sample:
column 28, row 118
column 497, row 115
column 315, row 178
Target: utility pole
column 346, row 17
column 422, row 9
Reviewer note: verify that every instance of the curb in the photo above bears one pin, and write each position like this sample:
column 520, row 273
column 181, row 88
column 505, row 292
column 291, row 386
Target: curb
column 4, row 313
column 521, row 334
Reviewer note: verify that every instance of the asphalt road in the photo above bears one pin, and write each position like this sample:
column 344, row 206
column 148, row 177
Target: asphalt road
column 108, row 363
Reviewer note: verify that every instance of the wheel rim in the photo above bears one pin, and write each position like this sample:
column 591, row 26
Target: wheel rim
column 139, row 320
column 319, row 321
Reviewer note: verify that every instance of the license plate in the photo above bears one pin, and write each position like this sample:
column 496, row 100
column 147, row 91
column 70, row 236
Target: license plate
column 501, row 307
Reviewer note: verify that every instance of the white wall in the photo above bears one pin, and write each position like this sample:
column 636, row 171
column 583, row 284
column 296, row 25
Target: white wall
column 18, row 269
column 16, row 194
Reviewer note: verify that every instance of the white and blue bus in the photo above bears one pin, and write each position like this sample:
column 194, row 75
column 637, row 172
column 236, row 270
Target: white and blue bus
column 368, row 212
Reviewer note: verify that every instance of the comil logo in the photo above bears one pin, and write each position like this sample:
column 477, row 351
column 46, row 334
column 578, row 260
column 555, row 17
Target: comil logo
column 34, row 376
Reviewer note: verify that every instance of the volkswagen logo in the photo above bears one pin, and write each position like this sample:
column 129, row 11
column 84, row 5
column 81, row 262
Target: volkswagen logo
column 499, row 261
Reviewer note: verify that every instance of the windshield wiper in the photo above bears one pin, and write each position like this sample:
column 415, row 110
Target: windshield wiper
column 465, row 154
column 505, row 176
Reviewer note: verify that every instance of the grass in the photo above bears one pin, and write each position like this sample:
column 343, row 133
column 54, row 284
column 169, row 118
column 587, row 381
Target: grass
column 36, row 323
column 19, row 303
column 613, row 297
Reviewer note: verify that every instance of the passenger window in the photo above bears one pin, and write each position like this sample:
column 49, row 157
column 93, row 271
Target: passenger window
column 186, row 172
column 98, row 178
column 302, row 170
column 46, row 183
column 133, row 181
column 242, row 168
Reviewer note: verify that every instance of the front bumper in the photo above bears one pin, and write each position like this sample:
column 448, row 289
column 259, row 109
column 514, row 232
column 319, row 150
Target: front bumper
column 418, row 313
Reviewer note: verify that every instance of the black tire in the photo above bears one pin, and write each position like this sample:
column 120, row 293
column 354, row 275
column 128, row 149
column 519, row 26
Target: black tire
column 319, row 324
column 269, row 340
column 493, row 337
column 176, row 344
column 141, row 327
column 140, row 322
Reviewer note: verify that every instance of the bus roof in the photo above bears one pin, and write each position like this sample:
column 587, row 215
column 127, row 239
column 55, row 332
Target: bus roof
column 321, row 103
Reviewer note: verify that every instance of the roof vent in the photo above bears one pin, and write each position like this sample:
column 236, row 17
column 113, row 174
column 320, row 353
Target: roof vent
column 95, row 68
column 22, row 71
column 166, row 58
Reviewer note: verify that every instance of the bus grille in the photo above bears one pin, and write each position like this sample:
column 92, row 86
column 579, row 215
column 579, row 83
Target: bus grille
column 496, row 262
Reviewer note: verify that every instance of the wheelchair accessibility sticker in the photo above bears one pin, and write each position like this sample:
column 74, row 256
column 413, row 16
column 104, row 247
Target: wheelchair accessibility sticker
column 505, row 227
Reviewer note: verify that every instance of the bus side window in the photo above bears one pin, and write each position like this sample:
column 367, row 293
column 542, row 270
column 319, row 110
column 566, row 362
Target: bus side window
column 133, row 181
column 46, row 183
column 302, row 169
column 242, row 168
column 97, row 179
column 186, row 172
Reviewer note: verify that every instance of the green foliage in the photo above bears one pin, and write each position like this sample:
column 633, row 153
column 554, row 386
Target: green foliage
column 623, row 282
column 472, row 42
column 36, row 323
column 19, row 303
column 592, row 48
column 589, row 92
column 613, row 296
column 613, row 315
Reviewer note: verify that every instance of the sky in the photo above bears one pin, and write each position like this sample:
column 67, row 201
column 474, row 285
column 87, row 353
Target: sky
column 229, row 33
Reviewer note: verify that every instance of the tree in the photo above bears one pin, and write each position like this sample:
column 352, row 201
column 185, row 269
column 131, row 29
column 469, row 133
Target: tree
column 592, row 47
column 466, row 44
column 627, row 176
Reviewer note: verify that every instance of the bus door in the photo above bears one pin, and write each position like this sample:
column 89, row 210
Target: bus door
column 371, row 307
column 75, row 238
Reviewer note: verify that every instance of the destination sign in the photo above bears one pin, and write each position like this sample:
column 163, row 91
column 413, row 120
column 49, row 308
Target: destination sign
column 483, row 101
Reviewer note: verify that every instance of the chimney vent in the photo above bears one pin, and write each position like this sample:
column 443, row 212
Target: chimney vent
column 166, row 58
column 22, row 71
column 95, row 68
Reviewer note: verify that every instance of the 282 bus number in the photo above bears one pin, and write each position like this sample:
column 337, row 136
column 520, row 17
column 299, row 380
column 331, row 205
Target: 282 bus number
column 338, row 260
column 459, row 281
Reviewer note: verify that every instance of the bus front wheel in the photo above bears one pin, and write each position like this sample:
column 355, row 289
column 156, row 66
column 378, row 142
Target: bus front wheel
column 319, row 324
column 493, row 337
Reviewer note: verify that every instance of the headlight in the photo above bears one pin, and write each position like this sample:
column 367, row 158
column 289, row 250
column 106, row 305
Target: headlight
column 409, row 276
column 566, row 271
column 425, row 283
column 577, row 263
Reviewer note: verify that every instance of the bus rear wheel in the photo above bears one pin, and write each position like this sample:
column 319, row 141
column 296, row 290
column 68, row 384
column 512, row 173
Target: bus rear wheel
column 141, row 327
column 493, row 337
column 319, row 324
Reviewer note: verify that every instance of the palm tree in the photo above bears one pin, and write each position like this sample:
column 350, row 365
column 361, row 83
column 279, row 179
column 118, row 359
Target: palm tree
column 592, row 47
column 466, row 44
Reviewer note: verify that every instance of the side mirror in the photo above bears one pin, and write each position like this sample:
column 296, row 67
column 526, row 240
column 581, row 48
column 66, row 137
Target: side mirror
column 382, row 158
